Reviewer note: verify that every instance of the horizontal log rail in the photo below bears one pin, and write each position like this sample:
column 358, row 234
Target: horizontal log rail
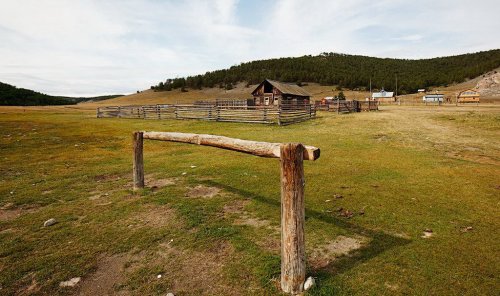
column 263, row 149
column 292, row 156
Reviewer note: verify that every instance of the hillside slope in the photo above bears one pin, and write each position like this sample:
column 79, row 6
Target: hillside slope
column 14, row 96
column 349, row 71
column 487, row 84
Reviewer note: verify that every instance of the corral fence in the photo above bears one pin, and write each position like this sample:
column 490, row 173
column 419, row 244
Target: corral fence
column 344, row 106
column 281, row 115
column 292, row 156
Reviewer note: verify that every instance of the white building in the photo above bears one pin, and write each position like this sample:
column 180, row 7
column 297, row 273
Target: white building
column 383, row 96
column 434, row 98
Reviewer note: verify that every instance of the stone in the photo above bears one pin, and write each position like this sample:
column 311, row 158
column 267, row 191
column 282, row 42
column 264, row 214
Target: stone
column 310, row 282
column 170, row 294
column 49, row 222
column 71, row 283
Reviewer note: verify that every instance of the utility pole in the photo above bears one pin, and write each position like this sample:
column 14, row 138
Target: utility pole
column 399, row 103
column 370, row 89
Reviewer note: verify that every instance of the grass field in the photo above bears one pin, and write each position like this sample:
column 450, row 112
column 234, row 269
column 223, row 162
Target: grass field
column 208, row 223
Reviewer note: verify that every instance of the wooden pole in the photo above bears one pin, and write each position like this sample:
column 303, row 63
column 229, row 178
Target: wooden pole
column 138, row 168
column 293, row 262
column 263, row 149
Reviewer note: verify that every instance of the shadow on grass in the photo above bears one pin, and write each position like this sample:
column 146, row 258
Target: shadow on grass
column 380, row 241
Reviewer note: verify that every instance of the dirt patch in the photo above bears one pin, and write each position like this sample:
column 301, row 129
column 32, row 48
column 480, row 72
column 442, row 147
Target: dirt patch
column 104, row 281
column 198, row 272
column 155, row 216
column 107, row 178
column 9, row 212
column 156, row 184
column 202, row 191
column 98, row 195
column 323, row 255
column 237, row 208
column 381, row 137
column 30, row 287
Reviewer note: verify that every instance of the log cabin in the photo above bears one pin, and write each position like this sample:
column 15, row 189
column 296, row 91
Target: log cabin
column 468, row 96
column 274, row 93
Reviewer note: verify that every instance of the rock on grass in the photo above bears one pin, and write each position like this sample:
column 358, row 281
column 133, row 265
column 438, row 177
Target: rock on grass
column 71, row 283
column 49, row 222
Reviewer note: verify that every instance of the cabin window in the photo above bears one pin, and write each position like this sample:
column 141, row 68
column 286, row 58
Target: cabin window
column 266, row 101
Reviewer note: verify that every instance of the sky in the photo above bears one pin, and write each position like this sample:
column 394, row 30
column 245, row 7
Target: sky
column 97, row 47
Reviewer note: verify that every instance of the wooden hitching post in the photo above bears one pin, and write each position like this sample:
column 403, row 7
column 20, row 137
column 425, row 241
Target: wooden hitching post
column 293, row 265
column 138, row 167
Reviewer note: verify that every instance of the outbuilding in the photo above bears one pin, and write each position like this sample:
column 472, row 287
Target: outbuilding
column 383, row 96
column 270, row 92
column 468, row 96
column 433, row 98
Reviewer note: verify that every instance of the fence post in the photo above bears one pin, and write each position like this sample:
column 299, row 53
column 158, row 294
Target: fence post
column 98, row 112
column 293, row 263
column 279, row 115
column 138, row 166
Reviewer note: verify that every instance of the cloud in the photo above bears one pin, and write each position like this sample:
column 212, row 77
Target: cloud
column 90, row 47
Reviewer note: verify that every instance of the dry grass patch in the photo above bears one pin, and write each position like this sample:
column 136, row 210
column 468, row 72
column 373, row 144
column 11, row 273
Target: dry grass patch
column 202, row 191
column 105, row 280
column 10, row 212
column 324, row 254
column 155, row 216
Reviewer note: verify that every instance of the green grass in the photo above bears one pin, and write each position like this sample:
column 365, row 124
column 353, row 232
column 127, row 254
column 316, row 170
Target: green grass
column 408, row 168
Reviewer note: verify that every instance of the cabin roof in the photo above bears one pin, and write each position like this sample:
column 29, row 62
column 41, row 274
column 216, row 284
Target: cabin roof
column 468, row 92
column 434, row 96
column 383, row 94
column 285, row 88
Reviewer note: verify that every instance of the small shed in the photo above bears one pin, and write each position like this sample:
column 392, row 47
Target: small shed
column 270, row 92
column 421, row 90
column 383, row 96
column 433, row 98
column 468, row 96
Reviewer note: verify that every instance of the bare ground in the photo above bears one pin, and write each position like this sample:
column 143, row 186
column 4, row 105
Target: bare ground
column 202, row 191
column 323, row 255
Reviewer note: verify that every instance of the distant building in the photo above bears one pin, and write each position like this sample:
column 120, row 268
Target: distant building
column 468, row 96
column 433, row 98
column 421, row 90
column 270, row 92
column 383, row 96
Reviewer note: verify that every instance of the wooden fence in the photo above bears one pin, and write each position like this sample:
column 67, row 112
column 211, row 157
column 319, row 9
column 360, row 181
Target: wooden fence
column 281, row 115
column 292, row 156
column 343, row 106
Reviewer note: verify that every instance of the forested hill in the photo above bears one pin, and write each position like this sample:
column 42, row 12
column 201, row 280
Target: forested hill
column 13, row 96
column 349, row 71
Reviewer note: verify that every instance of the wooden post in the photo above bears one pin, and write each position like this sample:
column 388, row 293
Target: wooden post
column 138, row 167
column 279, row 115
column 293, row 263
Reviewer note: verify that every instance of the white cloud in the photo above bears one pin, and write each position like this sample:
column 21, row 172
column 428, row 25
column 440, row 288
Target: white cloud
column 90, row 47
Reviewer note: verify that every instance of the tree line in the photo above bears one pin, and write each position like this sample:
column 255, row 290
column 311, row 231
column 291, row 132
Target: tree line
column 13, row 96
column 347, row 71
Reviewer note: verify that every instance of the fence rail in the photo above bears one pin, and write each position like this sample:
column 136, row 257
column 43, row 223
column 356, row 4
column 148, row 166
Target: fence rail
column 281, row 115
column 342, row 106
